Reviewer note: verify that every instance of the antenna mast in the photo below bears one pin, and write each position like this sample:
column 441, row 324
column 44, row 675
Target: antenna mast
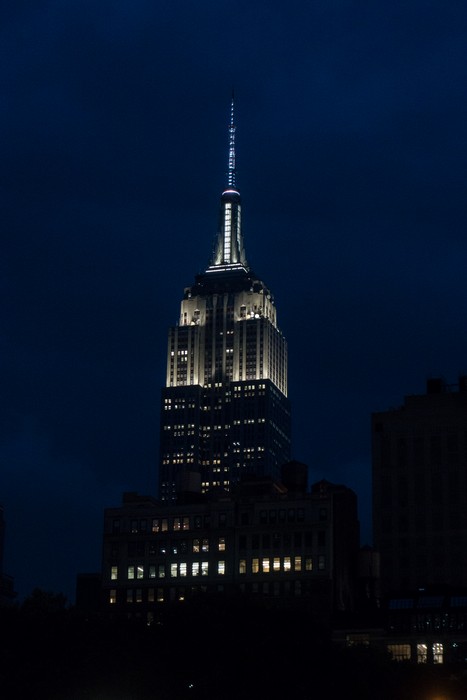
column 231, row 172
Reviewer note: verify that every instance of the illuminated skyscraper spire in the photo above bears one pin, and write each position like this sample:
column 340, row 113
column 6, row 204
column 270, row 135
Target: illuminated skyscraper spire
column 229, row 252
column 225, row 408
column 231, row 173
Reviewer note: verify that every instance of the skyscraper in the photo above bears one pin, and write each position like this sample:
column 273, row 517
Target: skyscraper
column 225, row 411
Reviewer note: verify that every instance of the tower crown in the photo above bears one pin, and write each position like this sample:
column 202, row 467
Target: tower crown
column 229, row 251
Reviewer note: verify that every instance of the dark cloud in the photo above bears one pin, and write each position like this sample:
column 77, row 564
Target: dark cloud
column 351, row 162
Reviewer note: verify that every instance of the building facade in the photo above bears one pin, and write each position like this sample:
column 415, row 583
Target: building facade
column 224, row 412
column 7, row 591
column 419, row 455
column 267, row 541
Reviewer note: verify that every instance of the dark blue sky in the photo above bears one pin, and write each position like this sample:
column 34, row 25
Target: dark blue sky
column 351, row 160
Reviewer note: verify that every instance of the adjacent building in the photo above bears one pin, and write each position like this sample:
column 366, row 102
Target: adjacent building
column 7, row 591
column 274, row 542
column 419, row 455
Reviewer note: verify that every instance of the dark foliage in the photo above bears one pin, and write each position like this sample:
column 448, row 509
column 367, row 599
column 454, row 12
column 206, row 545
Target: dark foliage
column 198, row 652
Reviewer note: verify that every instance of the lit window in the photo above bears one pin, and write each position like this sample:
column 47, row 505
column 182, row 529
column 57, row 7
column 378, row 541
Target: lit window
column 255, row 565
column 276, row 564
column 152, row 571
column 113, row 573
column 221, row 544
column 177, row 523
column 308, row 564
column 173, row 570
column 204, row 568
column 131, row 572
column 183, row 568
column 186, row 523
column 155, row 525
column 437, row 653
column 221, row 568
column 196, row 546
column 161, row 571
column 422, row 653
column 287, row 564
column 113, row 596
column 205, row 545
column 298, row 563
column 242, row 566
column 195, row 568
column 160, row 595
column 266, row 565
column 140, row 572
column 399, row 652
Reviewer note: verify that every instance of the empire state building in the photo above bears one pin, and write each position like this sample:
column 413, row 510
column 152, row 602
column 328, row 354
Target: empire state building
column 225, row 412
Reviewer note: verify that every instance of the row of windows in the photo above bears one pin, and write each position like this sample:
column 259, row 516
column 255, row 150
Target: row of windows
column 175, row 546
column 196, row 522
column 257, row 541
column 160, row 595
column 425, row 652
column 256, row 565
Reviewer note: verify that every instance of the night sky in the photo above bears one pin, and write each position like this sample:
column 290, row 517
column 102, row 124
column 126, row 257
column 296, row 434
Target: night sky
column 352, row 165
